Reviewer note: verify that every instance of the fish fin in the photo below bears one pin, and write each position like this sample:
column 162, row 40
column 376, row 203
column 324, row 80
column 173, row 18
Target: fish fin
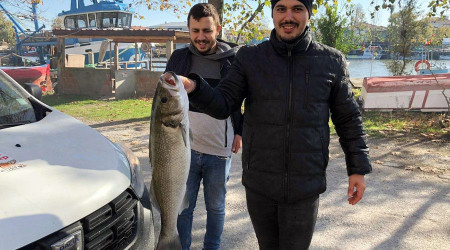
column 185, row 134
column 153, row 199
column 165, row 242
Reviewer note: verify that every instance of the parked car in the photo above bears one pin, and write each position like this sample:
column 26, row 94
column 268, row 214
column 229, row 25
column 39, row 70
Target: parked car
column 63, row 185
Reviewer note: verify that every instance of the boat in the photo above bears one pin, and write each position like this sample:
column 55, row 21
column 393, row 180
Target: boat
column 426, row 93
column 444, row 56
column 371, row 52
column 38, row 75
column 106, row 14
column 426, row 66
column 445, row 53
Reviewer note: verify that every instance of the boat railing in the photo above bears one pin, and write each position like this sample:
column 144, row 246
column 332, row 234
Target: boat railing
column 156, row 65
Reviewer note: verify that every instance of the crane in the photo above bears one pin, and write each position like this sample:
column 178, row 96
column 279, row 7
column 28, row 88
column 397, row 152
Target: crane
column 20, row 31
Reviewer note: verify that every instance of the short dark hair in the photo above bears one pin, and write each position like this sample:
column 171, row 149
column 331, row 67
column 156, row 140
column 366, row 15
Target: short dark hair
column 201, row 10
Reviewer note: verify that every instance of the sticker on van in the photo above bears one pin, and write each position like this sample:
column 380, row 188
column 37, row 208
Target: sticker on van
column 8, row 164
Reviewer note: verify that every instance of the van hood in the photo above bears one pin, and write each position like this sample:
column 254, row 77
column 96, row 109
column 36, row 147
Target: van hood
column 53, row 173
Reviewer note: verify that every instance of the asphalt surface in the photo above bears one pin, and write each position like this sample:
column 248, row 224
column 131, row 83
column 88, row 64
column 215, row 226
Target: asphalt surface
column 400, row 210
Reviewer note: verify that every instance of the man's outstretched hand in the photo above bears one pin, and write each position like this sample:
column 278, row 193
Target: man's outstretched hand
column 356, row 187
column 237, row 143
column 189, row 85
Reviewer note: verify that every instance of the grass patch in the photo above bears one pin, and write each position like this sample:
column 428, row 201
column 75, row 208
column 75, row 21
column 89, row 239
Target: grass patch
column 387, row 124
column 91, row 109
column 402, row 123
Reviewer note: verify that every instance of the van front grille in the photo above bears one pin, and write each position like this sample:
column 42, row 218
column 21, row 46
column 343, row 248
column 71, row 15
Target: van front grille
column 111, row 226
column 114, row 226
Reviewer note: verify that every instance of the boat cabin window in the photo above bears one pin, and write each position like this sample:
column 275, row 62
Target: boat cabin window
column 124, row 20
column 113, row 19
column 69, row 22
column 107, row 20
column 81, row 21
column 92, row 21
column 76, row 21
column 99, row 20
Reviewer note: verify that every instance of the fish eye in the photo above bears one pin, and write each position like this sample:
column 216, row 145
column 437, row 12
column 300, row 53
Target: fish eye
column 164, row 100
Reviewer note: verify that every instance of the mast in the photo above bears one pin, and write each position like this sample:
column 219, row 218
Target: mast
column 36, row 28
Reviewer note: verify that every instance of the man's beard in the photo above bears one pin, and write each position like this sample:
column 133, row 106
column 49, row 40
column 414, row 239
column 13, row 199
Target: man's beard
column 210, row 46
column 290, row 40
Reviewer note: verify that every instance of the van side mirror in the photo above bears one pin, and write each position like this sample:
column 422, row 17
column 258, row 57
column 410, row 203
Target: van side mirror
column 33, row 89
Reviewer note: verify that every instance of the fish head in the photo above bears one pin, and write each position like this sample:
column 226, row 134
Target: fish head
column 172, row 100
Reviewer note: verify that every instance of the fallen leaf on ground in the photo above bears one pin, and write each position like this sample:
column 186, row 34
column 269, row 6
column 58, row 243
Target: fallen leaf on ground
column 410, row 168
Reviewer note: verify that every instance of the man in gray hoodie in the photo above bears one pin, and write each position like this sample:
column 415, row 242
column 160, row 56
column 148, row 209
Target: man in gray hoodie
column 213, row 140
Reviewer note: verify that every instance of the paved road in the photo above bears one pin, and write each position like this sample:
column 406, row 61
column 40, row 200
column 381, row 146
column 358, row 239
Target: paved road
column 400, row 210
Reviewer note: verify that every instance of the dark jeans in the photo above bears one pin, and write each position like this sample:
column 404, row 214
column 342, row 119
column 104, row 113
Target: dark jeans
column 214, row 170
column 281, row 225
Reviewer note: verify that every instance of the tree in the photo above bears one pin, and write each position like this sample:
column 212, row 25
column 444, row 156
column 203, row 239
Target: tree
column 243, row 14
column 435, row 6
column 431, row 34
column 219, row 6
column 331, row 27
column 6, row 30
column 402, row 34
column 248, row 22
column 358, row 24
column 57, row 23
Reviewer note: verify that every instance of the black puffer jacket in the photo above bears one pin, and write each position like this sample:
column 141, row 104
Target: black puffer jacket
column 290, row 91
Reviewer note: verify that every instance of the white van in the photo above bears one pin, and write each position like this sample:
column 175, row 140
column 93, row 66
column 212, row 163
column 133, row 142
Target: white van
column 63, row 185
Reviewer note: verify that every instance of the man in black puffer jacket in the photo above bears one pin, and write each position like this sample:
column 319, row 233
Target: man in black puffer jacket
column 291, row 84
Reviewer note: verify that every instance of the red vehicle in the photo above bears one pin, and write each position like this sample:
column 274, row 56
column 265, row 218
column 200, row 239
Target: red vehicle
column 38, row 75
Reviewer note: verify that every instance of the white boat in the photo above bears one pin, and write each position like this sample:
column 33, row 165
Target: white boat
column 444, row 56
column 371, row 52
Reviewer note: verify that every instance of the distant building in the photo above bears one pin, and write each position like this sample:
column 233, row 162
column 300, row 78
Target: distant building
column 446, row 41
column 171, row 26
column 440, row 22
column 181, row 26
column 366, row 32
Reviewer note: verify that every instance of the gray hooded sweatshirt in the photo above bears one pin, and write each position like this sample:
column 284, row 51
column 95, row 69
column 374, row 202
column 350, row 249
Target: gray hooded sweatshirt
column 210, row 135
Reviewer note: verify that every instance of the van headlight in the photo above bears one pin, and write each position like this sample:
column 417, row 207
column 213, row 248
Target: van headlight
column 129, row 158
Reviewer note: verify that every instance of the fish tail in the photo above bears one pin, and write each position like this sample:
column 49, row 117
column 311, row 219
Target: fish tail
column 169, row 243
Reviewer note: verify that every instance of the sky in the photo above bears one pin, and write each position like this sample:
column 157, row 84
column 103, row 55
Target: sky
column 50, row 8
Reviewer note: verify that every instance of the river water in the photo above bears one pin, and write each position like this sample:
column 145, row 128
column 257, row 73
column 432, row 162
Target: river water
column 357, row 68
column 372, row 68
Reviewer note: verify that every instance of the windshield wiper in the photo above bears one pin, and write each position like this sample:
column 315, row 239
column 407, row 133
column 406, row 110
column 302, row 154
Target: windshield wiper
column 8, row 125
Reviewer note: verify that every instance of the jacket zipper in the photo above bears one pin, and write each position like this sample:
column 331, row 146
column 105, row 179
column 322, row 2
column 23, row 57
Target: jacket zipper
column 289, row 124
column 306, row 90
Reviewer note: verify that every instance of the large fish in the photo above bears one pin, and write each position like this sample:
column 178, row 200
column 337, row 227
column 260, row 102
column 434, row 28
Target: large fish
column 170, row 156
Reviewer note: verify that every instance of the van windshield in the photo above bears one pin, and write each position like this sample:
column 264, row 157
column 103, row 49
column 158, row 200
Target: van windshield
column 15, row 108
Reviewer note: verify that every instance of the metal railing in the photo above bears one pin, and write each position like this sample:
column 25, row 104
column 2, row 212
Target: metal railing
column 155, row 65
